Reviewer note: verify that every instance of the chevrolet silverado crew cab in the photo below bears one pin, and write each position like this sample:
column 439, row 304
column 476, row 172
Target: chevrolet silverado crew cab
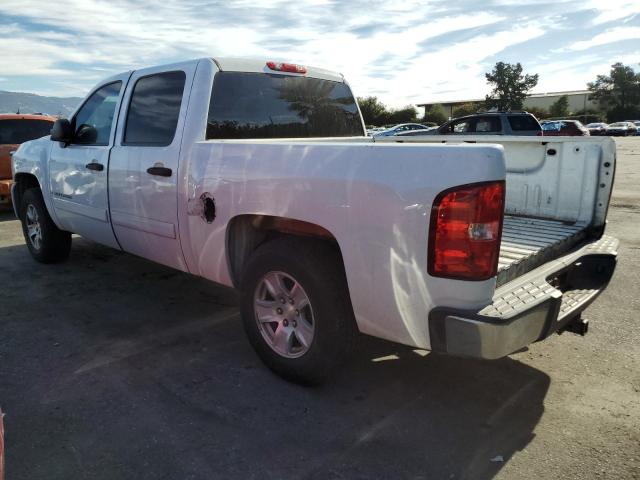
column 259, row 175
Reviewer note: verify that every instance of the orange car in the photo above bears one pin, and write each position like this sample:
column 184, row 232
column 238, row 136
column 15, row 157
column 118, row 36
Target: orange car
column 14, row 130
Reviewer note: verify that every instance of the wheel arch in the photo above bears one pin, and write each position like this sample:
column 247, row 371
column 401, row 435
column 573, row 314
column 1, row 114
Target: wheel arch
column 247, row 232
column 23, row 182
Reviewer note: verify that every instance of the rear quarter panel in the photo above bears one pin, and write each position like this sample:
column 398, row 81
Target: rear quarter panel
column 374, row 199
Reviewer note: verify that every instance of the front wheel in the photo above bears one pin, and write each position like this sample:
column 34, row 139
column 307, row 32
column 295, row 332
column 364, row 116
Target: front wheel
column 46, row 242
column 296, row 308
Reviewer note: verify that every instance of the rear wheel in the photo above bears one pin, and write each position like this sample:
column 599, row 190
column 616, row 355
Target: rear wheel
column 46, row 242
column 296, row 308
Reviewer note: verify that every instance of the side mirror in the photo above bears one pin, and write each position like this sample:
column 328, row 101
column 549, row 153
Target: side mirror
column 86, row 134
column 62, row 131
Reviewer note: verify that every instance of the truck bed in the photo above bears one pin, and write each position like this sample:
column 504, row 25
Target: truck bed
column 530, row 242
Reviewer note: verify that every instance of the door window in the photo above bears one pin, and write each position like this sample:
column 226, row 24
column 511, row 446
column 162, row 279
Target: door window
column 154, row 109
column 461, row 126
column 523, row 123
column 488, row 125
column 94, row 120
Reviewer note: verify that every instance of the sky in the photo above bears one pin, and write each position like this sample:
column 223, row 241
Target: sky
column 403, row 52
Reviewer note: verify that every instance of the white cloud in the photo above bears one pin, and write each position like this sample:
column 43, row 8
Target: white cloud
column 613, row 10
column 610, row 36
column 401, row 51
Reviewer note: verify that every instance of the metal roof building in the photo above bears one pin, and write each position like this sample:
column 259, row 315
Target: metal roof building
column 578, row 100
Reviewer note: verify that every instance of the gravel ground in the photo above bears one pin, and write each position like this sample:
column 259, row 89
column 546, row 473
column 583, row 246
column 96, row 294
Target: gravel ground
column 112, row 367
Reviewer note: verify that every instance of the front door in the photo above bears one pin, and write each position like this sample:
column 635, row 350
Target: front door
column 143, row 172
column 78, row 171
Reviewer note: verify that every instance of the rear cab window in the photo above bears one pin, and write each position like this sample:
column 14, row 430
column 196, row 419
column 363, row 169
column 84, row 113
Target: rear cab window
column 258, row 105
column 14, row 131
column 521, row 123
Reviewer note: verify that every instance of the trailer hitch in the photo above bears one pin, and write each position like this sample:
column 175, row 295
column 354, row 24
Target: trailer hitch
column 580, row 326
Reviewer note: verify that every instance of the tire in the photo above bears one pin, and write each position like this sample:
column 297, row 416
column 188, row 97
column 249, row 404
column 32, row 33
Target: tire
column 45, row 241
column 325, row 333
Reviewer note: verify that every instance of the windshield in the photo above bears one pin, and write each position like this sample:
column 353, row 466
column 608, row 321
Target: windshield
column 22, row 130
column 258, row 105
column 550, row 126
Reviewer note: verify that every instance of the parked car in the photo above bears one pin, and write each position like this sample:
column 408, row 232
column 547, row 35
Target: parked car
column 374, row 130
column 491, row 123
column 621, row 129
column 324, row 237
column 565, row 128
column 413, row 133
column 597, row 129
column 397, row 129
column 637, row 125
column 14, row 130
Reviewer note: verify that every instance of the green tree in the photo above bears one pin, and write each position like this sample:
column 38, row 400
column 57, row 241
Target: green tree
column 538, row 112
column 560, row 108
column 434, row 114
column 618, row 93
column 468, row 108
column 510, row 86
column 373, row 111
column 406, row 114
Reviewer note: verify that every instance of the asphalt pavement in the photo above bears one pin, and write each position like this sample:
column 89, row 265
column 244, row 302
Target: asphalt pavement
column 112, row 367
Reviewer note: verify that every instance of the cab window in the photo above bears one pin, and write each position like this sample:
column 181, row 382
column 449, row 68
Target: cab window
column 94, row 121
column 461, row 126
column 488, row 125
column 154, row 109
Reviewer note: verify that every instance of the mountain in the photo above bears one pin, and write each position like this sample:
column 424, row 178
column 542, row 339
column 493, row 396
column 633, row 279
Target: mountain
column 12, row 102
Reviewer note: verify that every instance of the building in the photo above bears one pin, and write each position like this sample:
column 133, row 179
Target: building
column 578, row 100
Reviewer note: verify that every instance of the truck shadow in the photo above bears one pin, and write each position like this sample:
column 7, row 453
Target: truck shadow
column 113, row 367
column 6, row 213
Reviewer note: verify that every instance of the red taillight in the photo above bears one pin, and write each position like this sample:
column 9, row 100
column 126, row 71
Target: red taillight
column 286, row 67
column 540, row 134
column 465, row 231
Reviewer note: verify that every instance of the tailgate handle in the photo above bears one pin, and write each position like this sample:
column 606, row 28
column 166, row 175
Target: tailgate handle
column 160, row 171
column 95, row 166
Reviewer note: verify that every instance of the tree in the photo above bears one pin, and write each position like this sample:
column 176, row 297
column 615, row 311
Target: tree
column 434, row 114
column 510, row 86
column 538, row 112
column 373, row 111
column 406, row 114
column 618, row 93
column 560, row 108
column 468, row 108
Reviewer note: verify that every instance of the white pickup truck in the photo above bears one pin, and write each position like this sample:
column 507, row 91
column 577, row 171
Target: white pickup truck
column 259, row 175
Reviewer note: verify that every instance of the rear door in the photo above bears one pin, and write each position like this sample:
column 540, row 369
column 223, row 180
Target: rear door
column 143, row 172
column 78, row 171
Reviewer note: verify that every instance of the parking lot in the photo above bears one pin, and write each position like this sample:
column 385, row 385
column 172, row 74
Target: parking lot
column 112, row 367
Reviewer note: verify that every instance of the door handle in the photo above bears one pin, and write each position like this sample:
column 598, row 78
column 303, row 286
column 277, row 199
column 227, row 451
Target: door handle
column 98, row 167
column 159, row 171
